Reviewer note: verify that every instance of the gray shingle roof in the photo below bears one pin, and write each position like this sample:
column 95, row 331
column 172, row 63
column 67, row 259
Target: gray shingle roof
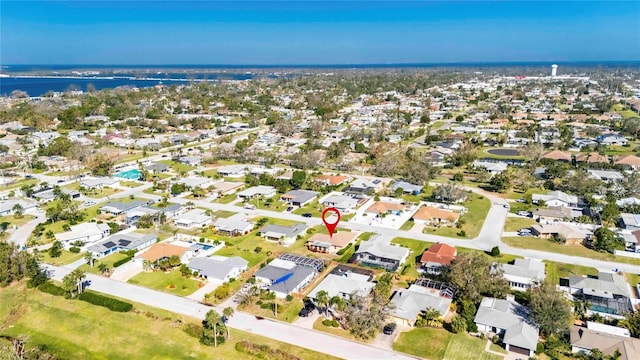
column 379, row 248
column 411, row 302
column 510, row 316
column 286, row 231
column 215, row 268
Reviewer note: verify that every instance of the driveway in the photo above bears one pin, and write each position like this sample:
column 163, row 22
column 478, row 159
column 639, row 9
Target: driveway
column 307, row 322
column 20, row 236
column 126, row 271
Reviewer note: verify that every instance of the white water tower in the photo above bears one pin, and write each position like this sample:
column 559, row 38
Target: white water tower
column 554, row 70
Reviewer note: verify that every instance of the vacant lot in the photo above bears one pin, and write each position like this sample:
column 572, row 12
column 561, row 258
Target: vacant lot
column 132, row 335
column 172, row 282
column 517, row 223
column 556, row 270
column 437, row 344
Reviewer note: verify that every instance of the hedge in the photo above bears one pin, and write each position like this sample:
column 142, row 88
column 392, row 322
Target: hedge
column 108, row 302
column 51, row 288
column 263, row 351
column 122, row 261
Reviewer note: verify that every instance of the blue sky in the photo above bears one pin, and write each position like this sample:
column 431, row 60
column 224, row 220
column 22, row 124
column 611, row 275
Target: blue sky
column 304, row 32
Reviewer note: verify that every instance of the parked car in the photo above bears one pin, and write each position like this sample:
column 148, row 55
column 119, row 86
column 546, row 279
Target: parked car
column 523, row 213
column 506, row 206
column 307, row 215
column 389, row 328
column 290, row 209
column 249, row 207
column 524, row 232
column 307, row 309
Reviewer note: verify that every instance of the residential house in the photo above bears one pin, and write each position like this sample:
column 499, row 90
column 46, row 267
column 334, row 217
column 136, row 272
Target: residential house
column 7, row 206
column 432, row 216
column 158, row 167
column 556, row 198
column 630, row 221
column 190, row 160
column 523, row 273
column 332, row 180
column 377, row 252
column 257, row 191
column 234, row 225
column 218, row 268
column 330, row 244
column 117, row 208
column 493, row 167
column 410, row 303
column 299, row 197
column 557, row 155
column 193, row 219
column 554, row 214
column 84, row 233
column 344, row 285
column 592, row 158
column 628, row 201
column 99, row 183
column 509, row 320
column 122, row 242
column 160, row 251
column 381, row 208
column 610, row 340
column 234, row 171
column 345, row 204
column 612, row 139
column 364, row 186
column 193, row 182
column 436, row 257
column 407, row 188
column 283, row 235
column 288, row 274
column 132, row 216
column 223, row 188
column 608, row 294
column 606, row 175
column 628, row 162
column 571, row 235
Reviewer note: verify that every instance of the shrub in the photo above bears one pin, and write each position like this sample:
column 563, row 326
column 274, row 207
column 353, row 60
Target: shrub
column 122, row 261
column 289, row 298
column 105, row 301
column 495, row 251
column 539, row 348
column 335, row 323
column 193, row 330
column 458, row 325
column 263, row 351
column 52, row 289
column 74, row 249
column 461, row 233
column 326, row 322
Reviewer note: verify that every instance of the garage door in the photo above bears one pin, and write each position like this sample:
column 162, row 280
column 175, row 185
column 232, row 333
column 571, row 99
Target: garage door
column 519, row 350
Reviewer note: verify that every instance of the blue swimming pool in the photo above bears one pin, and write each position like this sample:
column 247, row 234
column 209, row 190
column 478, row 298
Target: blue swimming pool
column 205, row 246
column 133, row 174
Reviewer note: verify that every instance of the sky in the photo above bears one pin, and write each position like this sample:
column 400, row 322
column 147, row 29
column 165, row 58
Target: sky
column 322, row 32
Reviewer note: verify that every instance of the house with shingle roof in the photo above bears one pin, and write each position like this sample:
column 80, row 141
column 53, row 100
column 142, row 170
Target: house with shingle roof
column 429, row 215
column 218, row 268
column 523, row 273
column 410, row 303
column 608, row 294
column 628, row 161
column 299, row 197
column 509, row 320
column 283, row 235
column 330, row 244
column 377, row 252
column 558, row 155
column 608, row 339
column 436, row 257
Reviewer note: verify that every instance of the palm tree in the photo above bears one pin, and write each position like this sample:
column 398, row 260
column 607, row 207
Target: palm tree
column 89, row 258
column 338, row 303
column 322, row 298
column 79, row 276
column 210, row 322
column 227, row 313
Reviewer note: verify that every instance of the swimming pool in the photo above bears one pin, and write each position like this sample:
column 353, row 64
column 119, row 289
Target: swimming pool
column 133, row 174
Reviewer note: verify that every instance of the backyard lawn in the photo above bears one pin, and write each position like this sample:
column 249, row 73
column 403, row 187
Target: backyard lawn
column 172, row 282
column 556, row 270
column 152, row 337
column 529, row 242
column 439, row 344
column 517, row 223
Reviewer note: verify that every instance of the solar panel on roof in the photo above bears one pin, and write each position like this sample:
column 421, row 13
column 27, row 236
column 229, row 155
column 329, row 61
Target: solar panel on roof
column 376, row 181
column 109, row 244
column 124, row 242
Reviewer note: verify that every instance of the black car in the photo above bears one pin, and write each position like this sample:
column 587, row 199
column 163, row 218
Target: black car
column 389, row 328
column 307, row 215
column 306, row 310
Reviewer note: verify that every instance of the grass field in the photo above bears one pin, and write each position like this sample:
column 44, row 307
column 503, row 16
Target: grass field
column 556, row 270
column 517, row 223
column 287, row 310
column 226, row 199
column 20, row 183
column 66, row 258
column 12, row 220
column 130, row 184
column 223, row 213
column 439, row 344
column 463, row 346
column 131, row 335
column 172, row 282
column 477, row 209
column 178, row 167
column 529, row 242
column 624, row 111
column 338, row 331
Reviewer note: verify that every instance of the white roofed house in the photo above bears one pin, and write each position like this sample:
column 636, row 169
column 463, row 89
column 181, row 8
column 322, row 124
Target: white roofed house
column 511, row 321
column 257, row 191
column 196, row 181
column 523, row 273
column 493, row 167
column 283, row 235
column 377, row 252
column 195, row 218
column 345, row 204
column 99, row 183
column 170, row 211
column 344, row 284
column 556, row 198
column 84, row 233
column 234, row 171
column 410, row 303
column 234, row 225
column 7, row 206
column 218, row 268
column 630, row 221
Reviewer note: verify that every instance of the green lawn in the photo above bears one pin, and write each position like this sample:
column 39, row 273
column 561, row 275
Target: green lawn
column 12, row 220
column 556, row 270
column 130, row 184
column 20, row 183
column 337, row 331
column 131, row 335
column 407, row 225
column 515, row 224
column 172, row 282
column 624, row 111
column 287, row 310
column 178, row 167
column 223, row 213
column 108, row 260
column 314, row 208
column 226, row 199
column 464, row 346
column 66, row 258
column 477, row 208
column 136, row 155
column 424, row 342
column 529, row 242
column 272, row 204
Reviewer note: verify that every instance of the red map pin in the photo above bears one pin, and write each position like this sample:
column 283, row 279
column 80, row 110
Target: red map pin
column 330, row 227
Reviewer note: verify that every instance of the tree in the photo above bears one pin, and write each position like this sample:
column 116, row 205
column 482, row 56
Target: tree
column 500, row 182
column 549, row 308
column 322, row 298
column 298, row 178
column 18, row 211
column 145, row 221
column 73, row 283
column 432, row 317
column 90, row 258
column 449, row 193
column 610, row 212
column 103, row 268
column 178, row 188
column 227, row 314
column 458, row 324
column 211, row 324
column 185, row 271
column 632, row 323
column 56, row 249
column 473, row 274
column 605, row 240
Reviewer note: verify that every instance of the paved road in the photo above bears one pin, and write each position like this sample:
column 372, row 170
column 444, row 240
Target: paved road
column 20, row 236
column 288, row 333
